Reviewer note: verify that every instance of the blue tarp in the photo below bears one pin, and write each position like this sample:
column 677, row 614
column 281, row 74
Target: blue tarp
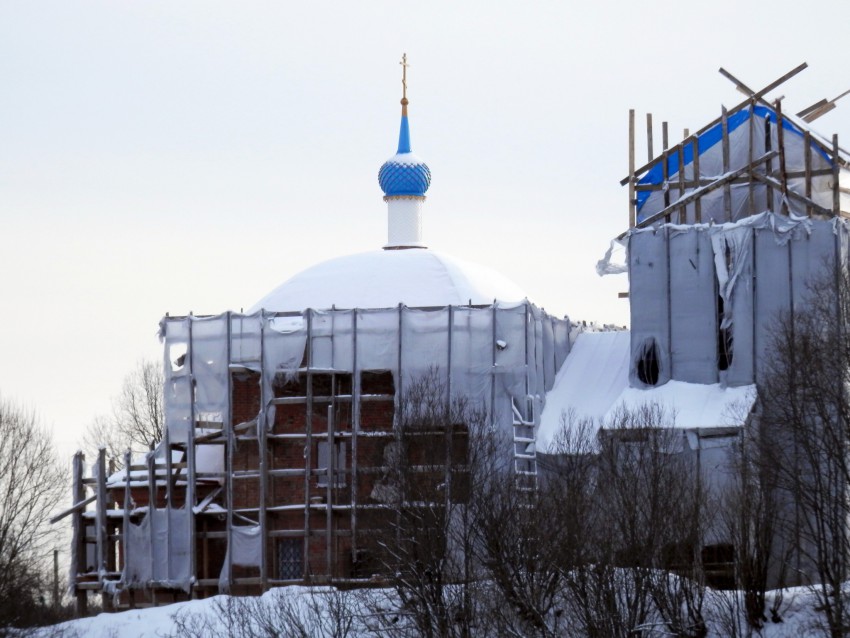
column 707, row 140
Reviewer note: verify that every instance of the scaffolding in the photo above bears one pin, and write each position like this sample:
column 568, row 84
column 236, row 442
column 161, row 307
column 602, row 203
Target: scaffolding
column 752, row 158
column 275, row 452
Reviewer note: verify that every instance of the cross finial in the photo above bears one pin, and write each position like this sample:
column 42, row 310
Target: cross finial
column 404, row 66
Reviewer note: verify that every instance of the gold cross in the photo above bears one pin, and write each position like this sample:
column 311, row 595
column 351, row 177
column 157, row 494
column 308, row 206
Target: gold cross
column 404, row 66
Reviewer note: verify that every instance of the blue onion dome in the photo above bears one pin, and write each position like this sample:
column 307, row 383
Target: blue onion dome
column 404, row 174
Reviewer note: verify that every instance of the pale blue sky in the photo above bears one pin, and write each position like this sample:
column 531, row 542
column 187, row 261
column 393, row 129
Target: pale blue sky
column 176, row 156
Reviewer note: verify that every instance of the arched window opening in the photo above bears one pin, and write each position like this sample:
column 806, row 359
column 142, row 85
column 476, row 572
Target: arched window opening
column 647, row 363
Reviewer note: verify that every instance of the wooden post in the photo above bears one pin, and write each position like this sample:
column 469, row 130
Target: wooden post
column 355, row 428
column 152, row 514
column 262, row 441
column 751, row 158
column 191, row 479
column 447, row 479
column 754, row 293
column 780, row 137
column 399, row 421
column 768, row 146
column 329, row 489
column 128, row 503
column 493, row 369
column 169, row 480
column 308, row 441
column 807, row 153
column 649, row 154
column 727, row 189
column 696, row 173
column 78, row 495
column 632, row 203
column 228, row 488
column 836, row 193
column 665, row 168
column 100, row 518
column 683, row 210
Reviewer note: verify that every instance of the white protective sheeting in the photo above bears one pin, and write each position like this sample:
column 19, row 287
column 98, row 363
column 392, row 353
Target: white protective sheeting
column 494, row 356
column 245, row 551
column 682, row 275
column 158, row 550
column 386, row 278
column 491, row 355
column 594, row 375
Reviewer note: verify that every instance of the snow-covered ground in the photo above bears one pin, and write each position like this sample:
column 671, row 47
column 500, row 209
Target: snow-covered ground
column 320, row 609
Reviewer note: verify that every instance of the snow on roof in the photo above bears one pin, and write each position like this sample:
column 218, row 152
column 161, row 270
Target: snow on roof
column 208, row 459
column 692, row 405
column 594, row 383
column 594, row 374
column 386, row 278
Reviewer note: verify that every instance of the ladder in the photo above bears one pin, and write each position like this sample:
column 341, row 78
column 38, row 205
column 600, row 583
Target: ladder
column 524, row 448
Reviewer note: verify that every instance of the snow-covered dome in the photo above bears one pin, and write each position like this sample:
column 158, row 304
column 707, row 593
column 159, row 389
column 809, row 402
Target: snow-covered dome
column 405, row 272
column 386, row 278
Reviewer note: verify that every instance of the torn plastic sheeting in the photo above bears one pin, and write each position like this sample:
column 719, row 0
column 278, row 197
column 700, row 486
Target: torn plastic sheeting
column 246, row 340
column 535, row 344
column 161, row 556
column 732, row 247
column 210, row 365
column 245, row 550
column 614, row 263
column 741, row 368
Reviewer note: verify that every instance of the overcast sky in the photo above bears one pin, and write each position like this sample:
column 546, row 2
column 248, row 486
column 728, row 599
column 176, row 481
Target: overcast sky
column 189, row 156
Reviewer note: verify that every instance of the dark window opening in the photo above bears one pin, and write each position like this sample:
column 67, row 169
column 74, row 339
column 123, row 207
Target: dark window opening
column 377, row 382
column 323, row 385
column 724, row 339
column 647, row 363
column 290, row 552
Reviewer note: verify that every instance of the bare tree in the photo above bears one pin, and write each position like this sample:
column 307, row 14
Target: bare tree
column 531, row 538
column 806, row 416
column 137, row 417
column 444, row 449
column 751, row 509
column 641, row 567
column 31, row 485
